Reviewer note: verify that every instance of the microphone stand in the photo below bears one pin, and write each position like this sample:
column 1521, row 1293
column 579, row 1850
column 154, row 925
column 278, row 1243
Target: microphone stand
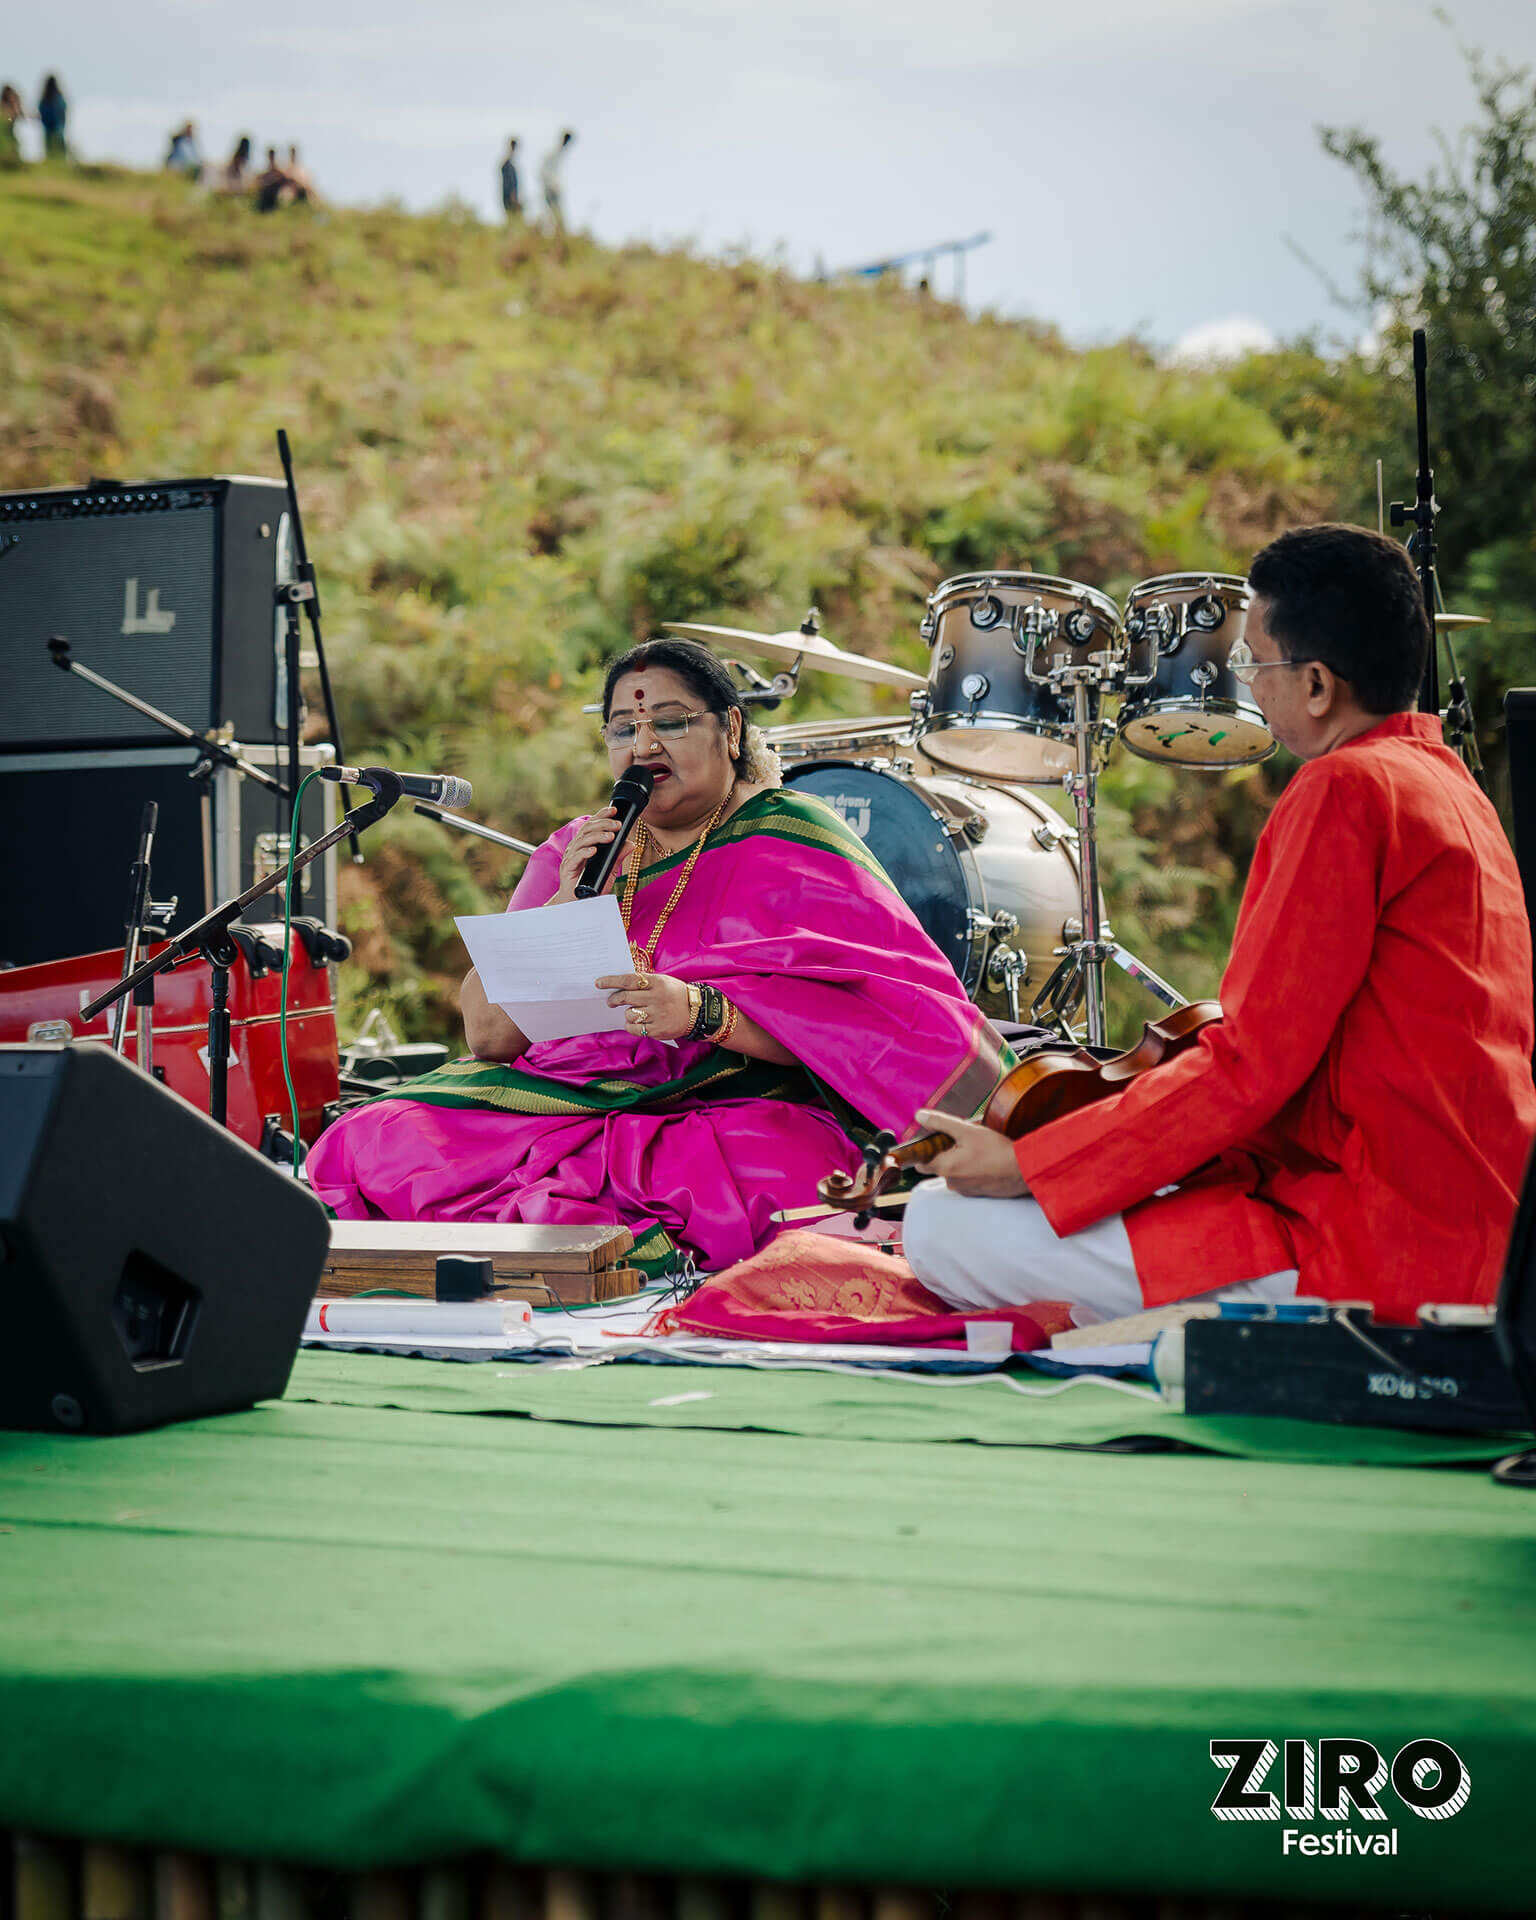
column 1423, row 513
column 210, row 748
column 1458, row 718
column 305, row 592
column 133, row 926
column 211, row 938
column 474, row 827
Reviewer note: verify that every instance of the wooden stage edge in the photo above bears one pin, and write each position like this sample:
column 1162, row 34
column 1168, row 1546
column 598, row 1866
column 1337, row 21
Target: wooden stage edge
column 61, row 1879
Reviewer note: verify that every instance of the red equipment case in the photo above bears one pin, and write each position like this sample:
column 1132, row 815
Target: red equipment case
column 43, row 1002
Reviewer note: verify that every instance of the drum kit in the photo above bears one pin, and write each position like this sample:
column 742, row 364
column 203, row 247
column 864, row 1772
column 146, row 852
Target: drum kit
column 1021, row 668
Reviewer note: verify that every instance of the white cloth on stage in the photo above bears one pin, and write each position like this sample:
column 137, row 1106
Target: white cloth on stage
column 1002, row 1253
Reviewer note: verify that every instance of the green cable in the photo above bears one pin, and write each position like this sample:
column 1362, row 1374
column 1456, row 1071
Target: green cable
column 294, row 837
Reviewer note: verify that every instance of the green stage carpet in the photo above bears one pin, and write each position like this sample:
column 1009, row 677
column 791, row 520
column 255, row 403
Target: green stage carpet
column 844, row 1406
column 791, row 1630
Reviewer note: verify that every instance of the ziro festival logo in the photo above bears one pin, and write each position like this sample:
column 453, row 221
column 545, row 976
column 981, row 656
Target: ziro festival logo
column 1341, row 1781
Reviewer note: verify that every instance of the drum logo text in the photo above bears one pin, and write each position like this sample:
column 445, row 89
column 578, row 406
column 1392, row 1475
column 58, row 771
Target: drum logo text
column 854, row 809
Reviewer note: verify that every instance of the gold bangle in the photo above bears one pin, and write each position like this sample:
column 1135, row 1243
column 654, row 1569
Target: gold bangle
column 728, row 1025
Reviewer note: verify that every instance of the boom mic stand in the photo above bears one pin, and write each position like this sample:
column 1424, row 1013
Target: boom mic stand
column 212, row 749
column 473, row 826
column 211, row 938
column 146, row 917
column 1457, row 717
column 1423, row 513
column 303, row 591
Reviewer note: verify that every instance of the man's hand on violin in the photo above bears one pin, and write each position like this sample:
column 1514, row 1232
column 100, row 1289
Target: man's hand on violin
column 980, row 1164
column 658, row 1004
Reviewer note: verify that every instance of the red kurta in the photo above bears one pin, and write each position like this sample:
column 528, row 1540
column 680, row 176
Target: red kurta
column 1367, row 1100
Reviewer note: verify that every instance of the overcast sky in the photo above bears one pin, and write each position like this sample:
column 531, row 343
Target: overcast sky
column 1139, row 163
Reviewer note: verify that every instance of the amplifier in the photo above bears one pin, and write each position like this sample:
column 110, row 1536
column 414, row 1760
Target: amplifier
column 69, row 831
column 165, row 588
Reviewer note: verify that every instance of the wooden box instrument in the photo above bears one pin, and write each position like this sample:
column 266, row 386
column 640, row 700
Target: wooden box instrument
column 546, row 1266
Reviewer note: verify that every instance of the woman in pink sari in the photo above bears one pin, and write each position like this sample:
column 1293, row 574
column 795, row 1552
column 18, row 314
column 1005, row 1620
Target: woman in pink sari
column 802, row 1000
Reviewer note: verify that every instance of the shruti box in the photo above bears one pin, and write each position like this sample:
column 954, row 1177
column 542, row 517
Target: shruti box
column 546, row 1266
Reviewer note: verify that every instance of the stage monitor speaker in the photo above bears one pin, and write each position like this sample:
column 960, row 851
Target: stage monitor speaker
column 165, row 587
column 152, row 1266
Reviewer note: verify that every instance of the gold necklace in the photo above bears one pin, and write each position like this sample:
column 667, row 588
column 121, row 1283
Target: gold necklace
column 644, row 957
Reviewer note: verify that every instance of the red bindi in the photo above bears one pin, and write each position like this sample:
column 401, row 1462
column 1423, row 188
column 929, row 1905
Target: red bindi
column 639, row 696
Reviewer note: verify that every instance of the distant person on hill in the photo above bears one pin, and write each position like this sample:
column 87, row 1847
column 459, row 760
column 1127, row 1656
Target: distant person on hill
column 12, row 112
column 233, row 174
column 303, row 188
column 272, row 189
column 53, row 111
column 182, row 156
column 511, row 202
column 549, row 178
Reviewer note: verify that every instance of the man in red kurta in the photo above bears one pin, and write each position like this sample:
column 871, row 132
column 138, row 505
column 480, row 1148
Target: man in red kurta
column 1357, row 1127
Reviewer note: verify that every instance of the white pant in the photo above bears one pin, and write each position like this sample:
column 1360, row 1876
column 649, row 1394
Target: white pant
column 1003, row 1253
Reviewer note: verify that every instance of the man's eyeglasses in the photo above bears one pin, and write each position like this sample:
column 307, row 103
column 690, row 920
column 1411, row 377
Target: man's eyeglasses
column 667, row 723
column 1246, row 669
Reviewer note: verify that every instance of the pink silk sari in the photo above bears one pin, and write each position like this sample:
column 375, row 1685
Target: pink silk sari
column 692, row 1146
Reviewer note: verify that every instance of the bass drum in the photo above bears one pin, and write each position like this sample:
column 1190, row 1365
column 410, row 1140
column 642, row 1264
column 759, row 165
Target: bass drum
column 990, row 871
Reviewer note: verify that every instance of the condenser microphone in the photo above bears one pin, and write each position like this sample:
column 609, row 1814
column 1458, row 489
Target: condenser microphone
column 447, row 789
column 631, row 791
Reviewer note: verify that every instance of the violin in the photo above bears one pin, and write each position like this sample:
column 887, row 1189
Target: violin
column 1041, row 1088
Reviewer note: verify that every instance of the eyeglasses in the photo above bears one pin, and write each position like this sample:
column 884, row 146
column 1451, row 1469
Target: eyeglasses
column 669, row 723
column 1245, row 668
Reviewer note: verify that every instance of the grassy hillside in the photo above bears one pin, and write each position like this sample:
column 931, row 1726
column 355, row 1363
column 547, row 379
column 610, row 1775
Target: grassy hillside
column 518, row 453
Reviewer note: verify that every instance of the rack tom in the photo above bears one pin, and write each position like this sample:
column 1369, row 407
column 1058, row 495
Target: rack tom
column 1182, row 703
column 990, row 707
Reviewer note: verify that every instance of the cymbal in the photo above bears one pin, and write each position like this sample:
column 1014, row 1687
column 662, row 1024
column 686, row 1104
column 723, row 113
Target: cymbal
column 792, row 645
column 1462, row 620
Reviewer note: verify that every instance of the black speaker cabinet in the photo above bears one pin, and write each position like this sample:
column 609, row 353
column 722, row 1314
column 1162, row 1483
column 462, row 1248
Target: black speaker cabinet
column 152, row 1266
column 1517, row 1296
column 165, row 588
column 1520, row 722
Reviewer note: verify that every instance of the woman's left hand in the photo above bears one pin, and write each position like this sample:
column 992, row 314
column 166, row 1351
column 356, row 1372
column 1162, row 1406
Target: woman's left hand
column 658, row 1004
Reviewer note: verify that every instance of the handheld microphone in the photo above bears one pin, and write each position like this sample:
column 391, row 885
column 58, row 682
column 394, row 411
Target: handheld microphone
column 631, row 791
column 447, row 789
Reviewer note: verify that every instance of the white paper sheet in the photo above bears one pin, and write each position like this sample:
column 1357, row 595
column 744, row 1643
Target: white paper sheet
column 539, row 965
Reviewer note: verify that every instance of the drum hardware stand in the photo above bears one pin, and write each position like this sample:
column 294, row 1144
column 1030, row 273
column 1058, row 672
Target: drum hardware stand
column 210, row 937
column 1078, row 979
column 761, row 692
